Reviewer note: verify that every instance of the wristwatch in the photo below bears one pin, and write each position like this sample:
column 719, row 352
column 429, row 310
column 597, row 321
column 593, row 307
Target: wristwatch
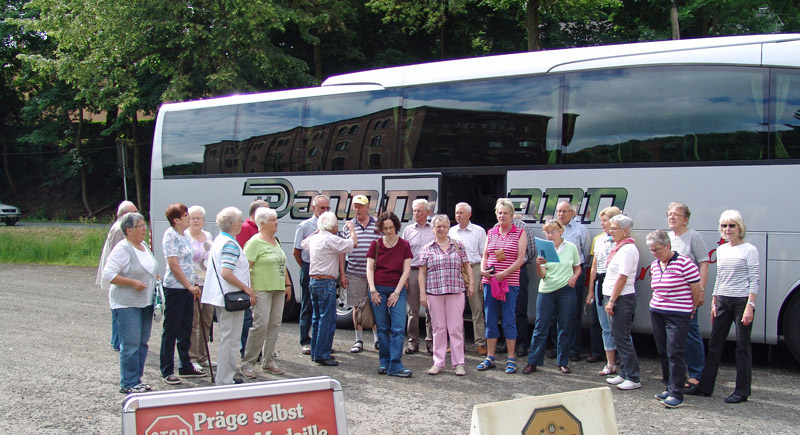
column 752, row 304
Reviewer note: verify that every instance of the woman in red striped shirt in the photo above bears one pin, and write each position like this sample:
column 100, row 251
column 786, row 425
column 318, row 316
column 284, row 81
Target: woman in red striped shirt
column 676, row 292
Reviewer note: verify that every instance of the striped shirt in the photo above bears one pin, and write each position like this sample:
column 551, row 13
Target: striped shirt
column 672, row 291
column 510, row 246
column 418, row 236
column 443, row 268
column 357, row 260
column 737, row 270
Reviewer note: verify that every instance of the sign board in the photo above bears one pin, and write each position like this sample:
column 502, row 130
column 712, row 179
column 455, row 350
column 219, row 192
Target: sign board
column 309, row 406
column 563, row 413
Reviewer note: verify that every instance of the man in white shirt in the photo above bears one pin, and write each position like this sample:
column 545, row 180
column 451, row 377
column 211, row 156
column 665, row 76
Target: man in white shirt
column 320, row 204
column 474, row 239
column 418, row 234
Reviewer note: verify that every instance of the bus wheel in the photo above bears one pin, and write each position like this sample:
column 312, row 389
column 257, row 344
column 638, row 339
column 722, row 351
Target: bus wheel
column 344, row 312
column 791, row 326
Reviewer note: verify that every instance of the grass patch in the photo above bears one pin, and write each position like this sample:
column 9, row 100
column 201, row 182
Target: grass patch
column 55, row 246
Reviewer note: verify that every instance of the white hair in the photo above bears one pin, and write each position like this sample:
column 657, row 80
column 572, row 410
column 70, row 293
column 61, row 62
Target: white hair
column 423, row 202
column 124, row 207
column 197, row 208
column 327, row 221
column 264, row 214
column 227, row 216
column 624, row 222
column 465, row 206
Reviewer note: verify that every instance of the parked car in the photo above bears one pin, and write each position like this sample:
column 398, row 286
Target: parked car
column 9, row 214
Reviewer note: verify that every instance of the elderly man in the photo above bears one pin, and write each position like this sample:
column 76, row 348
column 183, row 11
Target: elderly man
column 577, row 233
column 249, row 228
column 325, row 248
column 320, row 204
column 115, row 234
column 418, row 234
column 354, row 278
column 474, row 239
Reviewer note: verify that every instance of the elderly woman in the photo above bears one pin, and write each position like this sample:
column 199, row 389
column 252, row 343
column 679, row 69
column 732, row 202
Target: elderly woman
column 688, row 242
column 601, row 247
column 502, row 257
column 269, row 278
column 228, row 271
column 442, row 293
column 180, row 291
column 676, row 292
column 200, row 240
column 324, row 248
column 556, row 299
column 619, row 299
column 131, row 271
column 733, row 302
column 388, row 269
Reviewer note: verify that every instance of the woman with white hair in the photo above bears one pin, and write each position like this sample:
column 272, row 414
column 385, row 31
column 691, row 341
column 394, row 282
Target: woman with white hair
column 502, row 258
column 733, row 302
column 269, row 278
column 229, row 271
column 619, row 298
column 200, row 240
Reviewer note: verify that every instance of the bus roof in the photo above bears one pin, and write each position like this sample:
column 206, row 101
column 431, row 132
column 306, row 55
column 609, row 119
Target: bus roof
column 738, row 50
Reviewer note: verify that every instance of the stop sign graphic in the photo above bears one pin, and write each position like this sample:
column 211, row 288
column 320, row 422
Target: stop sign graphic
column 169, row 425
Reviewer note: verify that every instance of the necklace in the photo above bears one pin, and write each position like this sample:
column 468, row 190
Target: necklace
column 388, row 244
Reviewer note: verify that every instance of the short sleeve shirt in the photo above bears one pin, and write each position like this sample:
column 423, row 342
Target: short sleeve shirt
column 268, row 272
column 357, row 260
column 389, row 264
column 443, row 268
column 672, row 291
column 601, row 246
column 176, row 245
column 557, row 275
column 624, row 262
column 690, row 244
column 305, row 229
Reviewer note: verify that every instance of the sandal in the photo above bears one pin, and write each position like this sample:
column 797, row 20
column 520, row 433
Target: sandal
column 609, row 369
column 487, row 364
column 358, row 346
column 511, row 366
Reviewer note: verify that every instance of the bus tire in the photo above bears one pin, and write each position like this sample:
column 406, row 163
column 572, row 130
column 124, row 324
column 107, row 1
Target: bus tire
column 344, row 312
column 791, row 326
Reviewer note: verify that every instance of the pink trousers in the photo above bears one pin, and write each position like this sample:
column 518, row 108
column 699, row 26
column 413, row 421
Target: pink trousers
column 447, row 318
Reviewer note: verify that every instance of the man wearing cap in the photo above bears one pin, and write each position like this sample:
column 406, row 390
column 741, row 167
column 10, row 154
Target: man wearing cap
column 353, row 272
column 418, row 234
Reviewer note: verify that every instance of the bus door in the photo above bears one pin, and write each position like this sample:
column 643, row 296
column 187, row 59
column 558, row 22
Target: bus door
column 480, row 191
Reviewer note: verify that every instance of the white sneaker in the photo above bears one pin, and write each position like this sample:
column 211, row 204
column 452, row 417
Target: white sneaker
column 197, row 367
column 434, row 370
column 205, row 363
column 460, row 370
column 616, row 380
column 629, row 385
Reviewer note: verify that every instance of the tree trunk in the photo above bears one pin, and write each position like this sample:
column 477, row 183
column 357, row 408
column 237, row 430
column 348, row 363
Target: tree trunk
column 82, row 163
column 137, row 166
column 7, row 168
column 317, row 62
column 673, row 17
column 532, row 25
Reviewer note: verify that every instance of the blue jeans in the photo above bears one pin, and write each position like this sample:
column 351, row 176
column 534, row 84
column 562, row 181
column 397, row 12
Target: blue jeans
column 306, row 309
column 669, row 332
column 114, row 331
column 695, row 352
column 391, row 323
column 178, row 313
column 323, row 320
column 134, row 333
column 559, row 304
column 602, row 317
column 507, row 307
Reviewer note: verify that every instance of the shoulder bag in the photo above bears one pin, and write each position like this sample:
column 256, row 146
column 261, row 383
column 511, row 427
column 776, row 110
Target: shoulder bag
column 364, row 315
column 234, row 301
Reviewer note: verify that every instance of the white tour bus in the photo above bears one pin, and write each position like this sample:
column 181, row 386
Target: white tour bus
column 713, row 123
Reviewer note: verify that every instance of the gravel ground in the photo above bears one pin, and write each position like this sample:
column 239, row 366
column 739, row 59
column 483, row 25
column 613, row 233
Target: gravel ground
column 59, row 375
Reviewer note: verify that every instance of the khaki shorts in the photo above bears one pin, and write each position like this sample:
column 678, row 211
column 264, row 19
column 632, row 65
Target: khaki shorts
column 356, row 290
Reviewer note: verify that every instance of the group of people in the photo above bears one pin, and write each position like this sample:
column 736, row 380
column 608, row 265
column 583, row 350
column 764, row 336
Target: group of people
column 430, row 264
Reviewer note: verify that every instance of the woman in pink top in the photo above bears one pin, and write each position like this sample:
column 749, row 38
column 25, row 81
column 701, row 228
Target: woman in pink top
column 503, row 255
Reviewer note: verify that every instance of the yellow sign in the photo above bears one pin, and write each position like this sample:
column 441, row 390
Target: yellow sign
column 553, row 420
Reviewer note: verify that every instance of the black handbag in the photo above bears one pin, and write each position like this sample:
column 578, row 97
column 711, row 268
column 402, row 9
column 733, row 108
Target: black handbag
column 234, row 301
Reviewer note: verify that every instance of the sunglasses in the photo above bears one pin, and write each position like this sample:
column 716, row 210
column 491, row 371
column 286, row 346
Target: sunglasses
column 727, row 225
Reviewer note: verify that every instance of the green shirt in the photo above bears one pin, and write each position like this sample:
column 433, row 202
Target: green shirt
column 269, row 265
column 557, row 275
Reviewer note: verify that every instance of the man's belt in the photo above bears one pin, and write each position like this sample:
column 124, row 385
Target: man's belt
column 323, row 277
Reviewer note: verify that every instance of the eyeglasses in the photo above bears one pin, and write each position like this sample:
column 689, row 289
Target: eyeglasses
column 658, row 249
column 140, row 226
column 728, row 226
column 675, row 215
column 613, row 229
